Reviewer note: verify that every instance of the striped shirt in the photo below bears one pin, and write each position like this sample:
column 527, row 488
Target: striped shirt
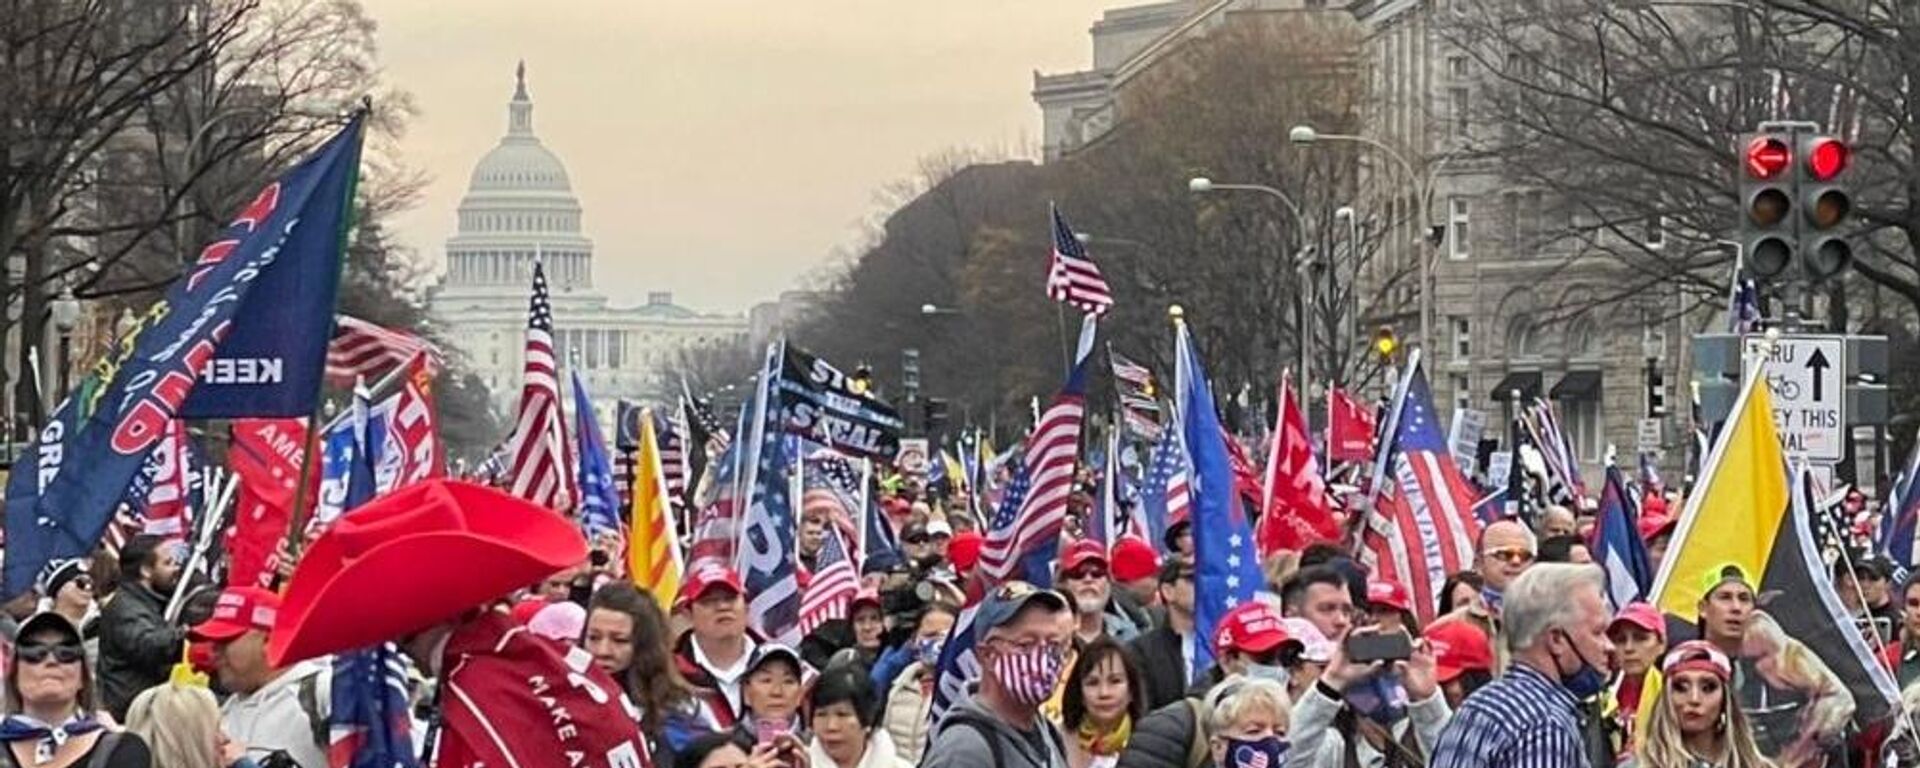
column 1522, row 720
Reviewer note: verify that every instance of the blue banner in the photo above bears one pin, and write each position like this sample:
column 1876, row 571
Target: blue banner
column 296, row 219
column 1228, row 568
column 599, row 497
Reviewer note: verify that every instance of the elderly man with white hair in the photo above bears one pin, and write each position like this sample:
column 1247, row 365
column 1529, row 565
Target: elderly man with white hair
column 1556, row 619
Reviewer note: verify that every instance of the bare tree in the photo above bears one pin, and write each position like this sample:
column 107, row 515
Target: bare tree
column 1626, row 113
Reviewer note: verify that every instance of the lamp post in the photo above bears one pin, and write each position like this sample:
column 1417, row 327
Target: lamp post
column 65, row 311
column 1422, row 185
column 1348, row 318
column 1302, row 263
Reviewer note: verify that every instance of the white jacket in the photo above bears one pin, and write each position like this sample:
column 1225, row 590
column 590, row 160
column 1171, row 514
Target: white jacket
column 880, row 753
column 1317, row 744
column 272, row 718
column 905, row 716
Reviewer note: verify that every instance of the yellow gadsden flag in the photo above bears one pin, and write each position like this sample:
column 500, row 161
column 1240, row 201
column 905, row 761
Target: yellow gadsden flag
column 653, row 552
column 1734, row 514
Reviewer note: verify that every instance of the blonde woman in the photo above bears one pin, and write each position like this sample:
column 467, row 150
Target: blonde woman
column 181, row 724
column 1696, row 722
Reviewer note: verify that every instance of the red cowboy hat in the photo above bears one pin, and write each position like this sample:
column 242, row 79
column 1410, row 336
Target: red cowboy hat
column 412, row 559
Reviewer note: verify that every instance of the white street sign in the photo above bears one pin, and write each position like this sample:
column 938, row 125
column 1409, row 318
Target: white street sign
column 1807, row 376
column 1648, row 435
column 913, row 457
column 1499, row 467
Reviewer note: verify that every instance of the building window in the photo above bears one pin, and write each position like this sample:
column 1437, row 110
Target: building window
column 1521, row 340
column 1462, row 337
column 1462, row 393
column 1459, row 248
column 1656, row 232
column 1457, row 67
column 1460, row 98
column 1584, row 427
column 1583, row 340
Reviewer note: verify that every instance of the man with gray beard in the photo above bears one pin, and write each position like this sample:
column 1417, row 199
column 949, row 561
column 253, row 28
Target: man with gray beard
column 1087, row 580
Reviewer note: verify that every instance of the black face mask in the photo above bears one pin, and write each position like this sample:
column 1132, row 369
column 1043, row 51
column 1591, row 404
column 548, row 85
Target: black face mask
column 1585, row 682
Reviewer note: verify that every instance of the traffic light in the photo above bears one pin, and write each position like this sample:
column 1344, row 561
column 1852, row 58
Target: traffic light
column 910, row 372
column 1825, row 205
column 1385, row 343
column 1766, row 199
column 1656, row 392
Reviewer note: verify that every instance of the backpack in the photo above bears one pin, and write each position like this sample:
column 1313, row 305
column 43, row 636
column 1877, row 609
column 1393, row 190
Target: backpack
column 985, row 728
column 1197, row 752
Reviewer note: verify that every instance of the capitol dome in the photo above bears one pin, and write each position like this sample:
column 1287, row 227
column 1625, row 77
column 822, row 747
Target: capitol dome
column 519, row 208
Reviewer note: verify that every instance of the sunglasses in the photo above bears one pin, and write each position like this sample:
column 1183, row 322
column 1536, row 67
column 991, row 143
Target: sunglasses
column 35, row 653
column 83, row 583
column 918, row 540
column 1512, row 555
column 1086, row 574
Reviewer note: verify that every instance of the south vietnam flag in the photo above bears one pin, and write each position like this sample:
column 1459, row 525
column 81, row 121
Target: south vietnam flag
column 653, row 552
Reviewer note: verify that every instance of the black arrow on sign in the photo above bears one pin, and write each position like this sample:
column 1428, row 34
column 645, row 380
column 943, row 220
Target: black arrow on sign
column 1818, row 364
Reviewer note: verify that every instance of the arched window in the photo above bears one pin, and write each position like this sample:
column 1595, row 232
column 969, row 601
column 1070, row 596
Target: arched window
column 1522, row 337
column 1583, row 339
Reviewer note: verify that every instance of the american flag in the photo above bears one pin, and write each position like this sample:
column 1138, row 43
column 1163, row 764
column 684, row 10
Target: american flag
column 1563, row 469
column 832, row 485
column 361, row 349
column 673, row 456
column 537, row 450
column 1166, row 492
column 1053, row 452
column 1074, row 278
column 834, row 584
column 370, row 719
column 1249, row 756
column 1139, row 400
column 1423, row 528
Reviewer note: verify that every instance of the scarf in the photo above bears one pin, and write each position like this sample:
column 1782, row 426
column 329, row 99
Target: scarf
column 47, row 738
column 1101, row 744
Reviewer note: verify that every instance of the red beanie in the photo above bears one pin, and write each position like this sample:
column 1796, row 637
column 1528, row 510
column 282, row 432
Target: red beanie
column 1134, row 560
column 964, row 550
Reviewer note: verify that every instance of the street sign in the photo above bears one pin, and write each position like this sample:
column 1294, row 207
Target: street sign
column 1807, row 376
column 1647, row 434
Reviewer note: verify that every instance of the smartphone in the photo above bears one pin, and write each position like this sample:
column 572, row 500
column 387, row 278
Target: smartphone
column 768, row 731
column 1382, row 646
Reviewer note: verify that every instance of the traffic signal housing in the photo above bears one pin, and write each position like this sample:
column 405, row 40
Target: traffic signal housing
column 1385, row 343
column 1767, row 227
column 1825, row 205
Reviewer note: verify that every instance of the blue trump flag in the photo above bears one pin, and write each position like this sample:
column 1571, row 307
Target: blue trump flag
column 297, row 219
column 271, row 365
column 766, row 539
column 1897, row 522
column 1227, row 569
column 370, row 718
column 1618, row 547
column 599, row 497
column 353, row 443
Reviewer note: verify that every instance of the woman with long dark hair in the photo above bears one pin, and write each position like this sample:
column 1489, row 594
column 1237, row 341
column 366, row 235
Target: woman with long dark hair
column 1102, row 701
column 630, row 639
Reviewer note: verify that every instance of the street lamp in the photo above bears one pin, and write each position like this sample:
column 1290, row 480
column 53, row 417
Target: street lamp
column 929, row 310
column 1307, row 136
column 1201, row 185
column 65, row 311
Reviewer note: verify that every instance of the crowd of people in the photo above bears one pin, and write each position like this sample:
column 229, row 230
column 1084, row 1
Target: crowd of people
column 1524, row 664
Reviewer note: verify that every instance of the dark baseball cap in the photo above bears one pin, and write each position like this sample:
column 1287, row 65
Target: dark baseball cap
column 1008, row 600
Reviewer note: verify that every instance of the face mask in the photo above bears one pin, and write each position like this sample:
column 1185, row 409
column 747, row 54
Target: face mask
column 1585, row 682
column 1256, row 753
column 1380, row 699
column 1029, row 677
column 1267, row 672
column 927, row 650
column 1492, row 596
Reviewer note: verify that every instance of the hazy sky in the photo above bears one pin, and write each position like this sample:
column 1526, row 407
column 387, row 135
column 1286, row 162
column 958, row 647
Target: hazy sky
column 721, row 149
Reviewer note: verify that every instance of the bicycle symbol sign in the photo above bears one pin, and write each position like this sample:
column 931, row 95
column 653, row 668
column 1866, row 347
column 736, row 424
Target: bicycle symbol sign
column 1806, row 375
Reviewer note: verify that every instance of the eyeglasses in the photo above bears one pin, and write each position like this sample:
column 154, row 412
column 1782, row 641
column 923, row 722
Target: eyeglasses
column 63, row 653
column 83, row 582
column 1511, row 555
column 1085, row 574
column 919, row 539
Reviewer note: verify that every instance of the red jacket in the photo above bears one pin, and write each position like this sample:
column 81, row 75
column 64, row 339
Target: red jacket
column 513, row 700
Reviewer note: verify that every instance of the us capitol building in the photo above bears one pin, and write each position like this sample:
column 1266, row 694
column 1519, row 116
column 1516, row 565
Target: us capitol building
column 520, row 207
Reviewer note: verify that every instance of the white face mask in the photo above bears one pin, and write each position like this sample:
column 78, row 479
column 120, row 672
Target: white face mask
column 1266, row 672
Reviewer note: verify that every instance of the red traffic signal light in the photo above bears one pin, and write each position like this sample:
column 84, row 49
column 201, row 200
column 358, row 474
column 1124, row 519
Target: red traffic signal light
column 1827, row 157
column 1767, row 157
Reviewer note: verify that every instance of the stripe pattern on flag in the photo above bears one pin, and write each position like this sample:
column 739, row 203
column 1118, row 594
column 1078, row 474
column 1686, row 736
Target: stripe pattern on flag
column 537, row 454
column 1424, row 527
column 833, row 587
column 1052, row 455
column 361, row 349
column 1073, row 278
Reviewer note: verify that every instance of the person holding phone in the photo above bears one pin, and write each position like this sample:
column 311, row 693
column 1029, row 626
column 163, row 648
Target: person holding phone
column 1377, row 703
column 771, row 693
